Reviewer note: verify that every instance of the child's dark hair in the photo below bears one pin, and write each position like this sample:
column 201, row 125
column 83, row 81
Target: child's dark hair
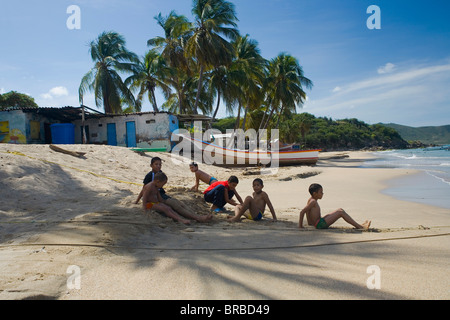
column 233, row 179
column 160, row 176
column 259, row 181
column 154, row 159
column 315, row 187
column 194, row 164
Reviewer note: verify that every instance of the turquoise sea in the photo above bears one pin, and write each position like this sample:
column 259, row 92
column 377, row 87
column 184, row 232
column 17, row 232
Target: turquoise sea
column 431, row 186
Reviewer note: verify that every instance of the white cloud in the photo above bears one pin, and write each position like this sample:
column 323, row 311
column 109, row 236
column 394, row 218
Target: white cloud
column 417, row 95
column 2, row 90
column 337, row 89
column 387, row 68
column 59, row 91
column 55, row 92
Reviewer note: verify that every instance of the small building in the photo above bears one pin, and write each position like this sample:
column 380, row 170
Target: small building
column 146, row 130
column 32, row 125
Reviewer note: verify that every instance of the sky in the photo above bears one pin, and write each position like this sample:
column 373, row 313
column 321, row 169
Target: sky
column 390, row 65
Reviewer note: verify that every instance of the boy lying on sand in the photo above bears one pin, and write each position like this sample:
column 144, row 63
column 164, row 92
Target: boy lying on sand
column 312, row 211
column 200, row 176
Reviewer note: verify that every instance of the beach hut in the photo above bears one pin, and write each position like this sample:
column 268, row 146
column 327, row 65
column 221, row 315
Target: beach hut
column 28, row 125
column 143, row 131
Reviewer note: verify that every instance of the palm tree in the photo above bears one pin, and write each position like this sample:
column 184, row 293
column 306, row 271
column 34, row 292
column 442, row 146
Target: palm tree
column 110, row 57
column 148, row 75
column 171, row 46
column 214, row 19
column 284, row 85
column 251, row 66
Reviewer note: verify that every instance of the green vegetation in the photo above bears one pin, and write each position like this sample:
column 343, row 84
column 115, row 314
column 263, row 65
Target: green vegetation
column 328, row 134
column 439, row 135
column 16, row 99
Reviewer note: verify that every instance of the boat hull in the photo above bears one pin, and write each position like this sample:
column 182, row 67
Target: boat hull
column 225, row 157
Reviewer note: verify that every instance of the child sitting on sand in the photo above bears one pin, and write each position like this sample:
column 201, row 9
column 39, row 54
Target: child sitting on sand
column 200, row 175
column 178, row 206
column 152, row 200
column 256, row 205
column 221, row 192
column 312, row 211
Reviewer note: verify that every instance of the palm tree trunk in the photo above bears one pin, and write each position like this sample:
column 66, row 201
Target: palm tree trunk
column 245, row 118
column 279, row 116
column 238, row 118
column 262, row 120
column 180, row 102
column 153, row 99
column 199, row 88
column 218, row 104
column 269, row 118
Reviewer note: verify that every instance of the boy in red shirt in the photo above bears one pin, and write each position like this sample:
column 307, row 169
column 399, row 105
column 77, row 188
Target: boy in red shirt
column 221, row 192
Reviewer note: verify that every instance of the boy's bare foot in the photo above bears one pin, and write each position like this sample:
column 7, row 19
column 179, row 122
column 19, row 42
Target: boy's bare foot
column 366, row 225
column 187, row 222
column 233, row 219
column 206, row 218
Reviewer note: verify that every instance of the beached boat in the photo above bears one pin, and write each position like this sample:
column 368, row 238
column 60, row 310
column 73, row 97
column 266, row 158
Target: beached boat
column 228, row 157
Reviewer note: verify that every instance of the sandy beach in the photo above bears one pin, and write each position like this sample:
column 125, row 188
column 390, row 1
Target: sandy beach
column 69, row 229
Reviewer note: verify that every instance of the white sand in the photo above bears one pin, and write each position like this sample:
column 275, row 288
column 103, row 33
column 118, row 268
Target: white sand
column 58, row 211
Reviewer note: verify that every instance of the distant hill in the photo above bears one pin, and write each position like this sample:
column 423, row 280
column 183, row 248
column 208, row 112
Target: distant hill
column 429, row 135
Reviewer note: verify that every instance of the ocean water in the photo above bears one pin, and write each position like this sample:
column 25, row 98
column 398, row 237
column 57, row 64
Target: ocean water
column 431, row 186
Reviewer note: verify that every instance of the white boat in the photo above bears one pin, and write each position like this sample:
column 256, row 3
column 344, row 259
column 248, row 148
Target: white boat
column 228, row 157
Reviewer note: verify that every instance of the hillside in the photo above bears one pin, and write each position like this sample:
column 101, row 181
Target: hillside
column 429, row 135
column 331, row 135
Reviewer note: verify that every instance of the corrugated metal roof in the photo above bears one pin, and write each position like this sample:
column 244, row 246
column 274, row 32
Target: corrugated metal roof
column 69, row 114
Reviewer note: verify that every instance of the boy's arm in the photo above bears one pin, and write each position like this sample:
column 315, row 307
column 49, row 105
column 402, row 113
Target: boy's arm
column 269, row 204
column 238, row 197
column 306, row 209
column 197, row 182
column 144, row 193
column 227, row 199
column 158, row 195
column 140, row 195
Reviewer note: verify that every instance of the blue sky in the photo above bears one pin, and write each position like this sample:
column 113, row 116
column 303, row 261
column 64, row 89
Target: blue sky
column 399, row 73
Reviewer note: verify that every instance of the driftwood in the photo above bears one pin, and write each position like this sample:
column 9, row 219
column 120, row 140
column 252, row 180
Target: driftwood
column 72, row 153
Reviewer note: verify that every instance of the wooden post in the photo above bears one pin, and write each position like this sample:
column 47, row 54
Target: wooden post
column 83, row 129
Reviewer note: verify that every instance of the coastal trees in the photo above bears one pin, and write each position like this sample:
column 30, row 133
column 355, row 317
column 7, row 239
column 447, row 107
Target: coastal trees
column 147, row 76
column 195, row 64
column 250, row 67
column 16, row 99
column 284, row 86
column 177, row 29
column 213, row 19
column 110, row 56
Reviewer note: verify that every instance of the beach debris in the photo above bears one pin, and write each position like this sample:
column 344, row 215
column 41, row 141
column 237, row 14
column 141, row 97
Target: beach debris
column 40, row 250
column 72, row 153
column 301, row 176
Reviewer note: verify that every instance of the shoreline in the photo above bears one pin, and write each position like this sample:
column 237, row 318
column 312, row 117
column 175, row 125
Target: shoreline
column 55, row 214
column 423, row 187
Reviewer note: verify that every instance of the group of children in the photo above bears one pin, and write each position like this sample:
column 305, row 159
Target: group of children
column 219, row 193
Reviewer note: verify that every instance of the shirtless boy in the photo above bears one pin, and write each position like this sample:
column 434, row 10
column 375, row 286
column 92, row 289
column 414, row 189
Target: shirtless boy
column 312, row 211
column 200, row 176
column 152, row 200
column 256, row 205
